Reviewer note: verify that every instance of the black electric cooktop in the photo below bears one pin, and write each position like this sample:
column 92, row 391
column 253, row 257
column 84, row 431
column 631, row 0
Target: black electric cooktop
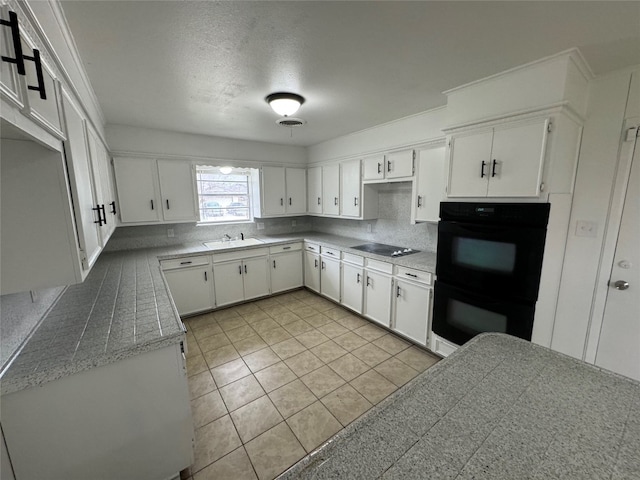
column 385, row 250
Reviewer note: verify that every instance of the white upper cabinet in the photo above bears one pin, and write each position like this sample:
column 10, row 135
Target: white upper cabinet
column 331, row 189
column 177, row 190
column 137, row 182
column 314, row 190
column 104, row 191
column 283, row 191
column 373, row 168
column 296, row 188
column 88, row 212
column 151, row 191
column 504, row 161
column 350, row 186
column 9, row 84
column 393, row 166
column 429, row 185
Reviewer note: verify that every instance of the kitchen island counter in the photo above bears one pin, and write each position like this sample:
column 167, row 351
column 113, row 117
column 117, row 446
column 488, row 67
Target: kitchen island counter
column 498, row 408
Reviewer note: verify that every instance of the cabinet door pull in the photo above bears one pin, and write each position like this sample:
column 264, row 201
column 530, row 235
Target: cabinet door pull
column 113, row 207
column 104, row 215
column 205, row 277
column 318, row 200
column 289, row 200
column 97, row 209
column 355, row 201
column 186, row 263
column 493, row 168
column 274, row 264
column 368, row 280
column 168, row 207
column 397, row 291
column 379, row 167
column 330, row 253
column 324, row 265
column 388, row 165
column 482, row 169
column 316, row 264
column 357, row 278
column 419, row 201
column 411, row 275
column 152, row 208
column 240, row 269
column 17, row 44
column 282, row 202
column 286, row 248
column 335, row 201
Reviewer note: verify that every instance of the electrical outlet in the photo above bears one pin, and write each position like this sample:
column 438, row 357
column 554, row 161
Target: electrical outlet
column 260, row 226
column 368, row 228
column 170, row 232
column 586, row 229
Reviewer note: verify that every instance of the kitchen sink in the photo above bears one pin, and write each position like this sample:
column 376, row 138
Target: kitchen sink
column 222, row 244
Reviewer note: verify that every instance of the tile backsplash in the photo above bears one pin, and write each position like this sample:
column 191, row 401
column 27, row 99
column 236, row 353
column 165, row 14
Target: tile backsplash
column 392, row 227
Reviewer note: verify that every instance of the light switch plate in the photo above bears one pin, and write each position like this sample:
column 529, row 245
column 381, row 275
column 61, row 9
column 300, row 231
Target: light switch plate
column 585, row 228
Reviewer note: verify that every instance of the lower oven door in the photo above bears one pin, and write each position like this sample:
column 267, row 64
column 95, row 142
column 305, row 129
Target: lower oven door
column 459, row 315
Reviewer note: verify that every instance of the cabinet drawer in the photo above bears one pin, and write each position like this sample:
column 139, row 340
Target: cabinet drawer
column 414, row 275
column 330, row 252
column 240, row 254
column 292, row 247
column 185, row 262
column 353, row 259
column 380, row 266
column 312, row 247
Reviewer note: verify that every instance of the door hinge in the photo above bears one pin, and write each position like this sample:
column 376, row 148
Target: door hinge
column 632, row 133
column 549, row 127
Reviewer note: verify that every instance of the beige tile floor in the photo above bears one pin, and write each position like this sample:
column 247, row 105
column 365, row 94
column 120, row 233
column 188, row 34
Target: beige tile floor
column 272, row 380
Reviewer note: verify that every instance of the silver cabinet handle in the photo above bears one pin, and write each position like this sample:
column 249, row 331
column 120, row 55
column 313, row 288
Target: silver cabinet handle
column 621, row 285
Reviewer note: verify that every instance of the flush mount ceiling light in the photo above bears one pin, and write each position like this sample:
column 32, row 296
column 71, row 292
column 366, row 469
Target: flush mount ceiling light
column 284, row 104
column 226, row 170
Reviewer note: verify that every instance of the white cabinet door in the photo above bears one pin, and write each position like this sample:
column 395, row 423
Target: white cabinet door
column 86, row 208
column 191, row 289
column 228, row 282
column 350, row 185
column 138, row 189
column 470, row 164
column 373, row 168
column 399, row 164
column 377, row 297
column 296, row 186
column 286, row 271
column 517, row 158
column 177, row 190
column 314, row 190
column 256, row 277
column 273, row 190
column 352, row 282
column 331, row 189
column 412, row 308
column 330, row 278
column 9, row 83
column 105, row 195
column 312, row 271
column 429, row 185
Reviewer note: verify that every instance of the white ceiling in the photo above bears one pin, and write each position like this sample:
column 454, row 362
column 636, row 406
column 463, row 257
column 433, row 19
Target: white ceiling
column 205, row 67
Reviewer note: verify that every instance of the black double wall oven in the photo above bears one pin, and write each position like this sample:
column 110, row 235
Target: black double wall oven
column 488, row 268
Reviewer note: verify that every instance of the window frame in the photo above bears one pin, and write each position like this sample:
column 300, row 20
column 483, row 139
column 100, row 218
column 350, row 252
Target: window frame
column 201, row 197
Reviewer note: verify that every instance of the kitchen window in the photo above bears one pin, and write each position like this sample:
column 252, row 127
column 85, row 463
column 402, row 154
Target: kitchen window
column 223, row 195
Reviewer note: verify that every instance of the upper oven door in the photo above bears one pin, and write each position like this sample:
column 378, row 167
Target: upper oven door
column 500, row 261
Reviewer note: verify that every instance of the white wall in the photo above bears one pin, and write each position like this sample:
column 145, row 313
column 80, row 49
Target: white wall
column 404, row 132
column 125, row 140
column 594, row 183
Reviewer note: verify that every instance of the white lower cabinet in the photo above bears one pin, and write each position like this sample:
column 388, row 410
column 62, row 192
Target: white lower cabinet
column 312, row 270
column 190, row 283
column 330, row 277
column 352, row 282
column 286, row 267
column 240, row 276
column 411, row 315
column 377, row 291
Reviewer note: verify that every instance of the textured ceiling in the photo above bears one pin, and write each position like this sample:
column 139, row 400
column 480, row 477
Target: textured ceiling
column 205, row 67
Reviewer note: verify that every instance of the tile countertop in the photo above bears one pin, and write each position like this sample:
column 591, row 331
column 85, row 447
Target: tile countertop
column 499, row 407
column 123, row 308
